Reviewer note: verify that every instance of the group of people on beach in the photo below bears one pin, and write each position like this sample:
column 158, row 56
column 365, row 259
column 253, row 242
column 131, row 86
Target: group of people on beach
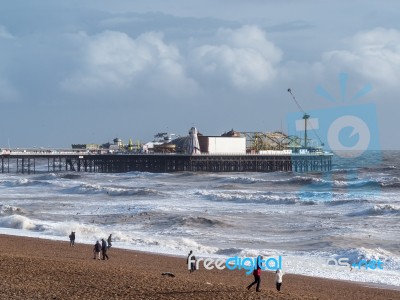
column 102, row 248
column 98, row 249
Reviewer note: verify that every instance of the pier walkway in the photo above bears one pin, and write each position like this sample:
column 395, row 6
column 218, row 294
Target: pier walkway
column 56, row 161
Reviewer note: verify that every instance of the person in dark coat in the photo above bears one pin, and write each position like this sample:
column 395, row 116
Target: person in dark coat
column 72, row 239
column 109, row 241
column 257, row 275
column 97, row 250
column 104, row 249
column 191, row 259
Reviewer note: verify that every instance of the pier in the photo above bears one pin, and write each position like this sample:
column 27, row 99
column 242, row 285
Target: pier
column 32, row 162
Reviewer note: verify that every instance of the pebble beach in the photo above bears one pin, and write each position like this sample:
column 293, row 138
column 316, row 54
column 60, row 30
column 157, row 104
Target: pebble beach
column 45, row 269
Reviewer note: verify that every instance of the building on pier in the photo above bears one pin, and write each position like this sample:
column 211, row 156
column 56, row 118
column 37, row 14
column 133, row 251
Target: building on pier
column 231, row 152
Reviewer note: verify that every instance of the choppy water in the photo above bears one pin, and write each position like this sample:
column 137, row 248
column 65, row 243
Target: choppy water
column 353, row 212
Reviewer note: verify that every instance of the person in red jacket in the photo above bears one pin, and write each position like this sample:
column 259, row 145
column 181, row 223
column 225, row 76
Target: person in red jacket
column 257, row 275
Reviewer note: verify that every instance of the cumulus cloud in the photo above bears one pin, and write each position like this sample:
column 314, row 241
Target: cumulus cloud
column 236, row 58
column 114, row 60
column 373, row 54
column 243, row 58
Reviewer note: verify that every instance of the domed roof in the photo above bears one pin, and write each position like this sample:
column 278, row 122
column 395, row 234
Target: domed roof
column 231, row 133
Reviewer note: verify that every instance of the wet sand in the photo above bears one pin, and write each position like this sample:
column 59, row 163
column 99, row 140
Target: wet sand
column 43, row 269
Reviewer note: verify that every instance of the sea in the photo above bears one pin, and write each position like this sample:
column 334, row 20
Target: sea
column 311, row 220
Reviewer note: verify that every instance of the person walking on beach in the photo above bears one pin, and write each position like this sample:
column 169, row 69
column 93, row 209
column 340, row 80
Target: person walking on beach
column 72, row 239
column 109, row 242
column 104, row 249
column 191, row 262
column 257, row 275
column 278, row 279
column 96, row 250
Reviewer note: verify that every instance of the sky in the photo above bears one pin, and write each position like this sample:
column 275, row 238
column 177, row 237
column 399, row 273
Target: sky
column 89, row 71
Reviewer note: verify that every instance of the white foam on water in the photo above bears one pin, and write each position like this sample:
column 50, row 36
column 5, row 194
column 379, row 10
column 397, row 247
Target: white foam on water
column 217, row 215
column 318, row 267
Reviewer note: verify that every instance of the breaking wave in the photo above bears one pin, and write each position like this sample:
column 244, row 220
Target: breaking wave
column 19, row 222
column 190, row 221
column 24, row 182
column 378, row 210
column 240, row 197
column 243, row 180
column 10, row 210
column 202, row 222
column 113, row 191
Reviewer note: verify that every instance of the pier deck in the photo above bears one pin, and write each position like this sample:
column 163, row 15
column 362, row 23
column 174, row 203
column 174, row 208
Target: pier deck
column 165, row 163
